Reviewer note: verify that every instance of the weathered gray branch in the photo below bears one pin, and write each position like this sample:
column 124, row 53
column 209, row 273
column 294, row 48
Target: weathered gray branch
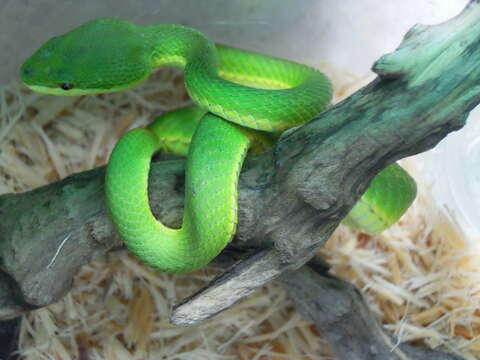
column 290, row 199
column 342, row 317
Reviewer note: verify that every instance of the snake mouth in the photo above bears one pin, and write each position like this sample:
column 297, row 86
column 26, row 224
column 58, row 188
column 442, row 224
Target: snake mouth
column 69, row 89
column 71, row 92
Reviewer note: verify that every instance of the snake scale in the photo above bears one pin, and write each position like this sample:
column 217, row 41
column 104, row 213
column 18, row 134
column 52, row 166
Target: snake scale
column 239, row 98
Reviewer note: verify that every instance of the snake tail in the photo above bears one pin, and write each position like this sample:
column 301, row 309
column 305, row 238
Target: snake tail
column 389, row 195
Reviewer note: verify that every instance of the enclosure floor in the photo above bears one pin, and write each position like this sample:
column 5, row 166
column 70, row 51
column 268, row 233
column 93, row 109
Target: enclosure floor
column 420, row 277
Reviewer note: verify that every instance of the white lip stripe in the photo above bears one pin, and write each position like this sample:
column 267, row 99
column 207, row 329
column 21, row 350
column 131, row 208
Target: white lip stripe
column 71, row 92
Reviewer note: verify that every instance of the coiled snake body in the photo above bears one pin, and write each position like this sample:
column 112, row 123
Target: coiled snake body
column 239, row 95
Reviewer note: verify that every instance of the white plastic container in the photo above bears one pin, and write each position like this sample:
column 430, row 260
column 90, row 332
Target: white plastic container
column 452, row 171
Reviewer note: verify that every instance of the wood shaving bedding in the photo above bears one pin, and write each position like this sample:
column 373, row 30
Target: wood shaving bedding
column 419, row 277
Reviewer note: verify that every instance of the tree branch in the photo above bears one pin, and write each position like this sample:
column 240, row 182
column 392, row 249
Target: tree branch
column 290, row 199
column 342, row 317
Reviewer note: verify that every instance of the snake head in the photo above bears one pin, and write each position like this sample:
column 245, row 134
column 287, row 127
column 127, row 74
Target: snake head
column 103, row 55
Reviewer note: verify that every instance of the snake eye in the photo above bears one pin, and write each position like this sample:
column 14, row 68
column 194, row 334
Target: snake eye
column 66, row 86
column 27, row 72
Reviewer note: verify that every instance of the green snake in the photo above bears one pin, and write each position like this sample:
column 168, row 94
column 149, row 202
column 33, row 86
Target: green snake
column 239, row 98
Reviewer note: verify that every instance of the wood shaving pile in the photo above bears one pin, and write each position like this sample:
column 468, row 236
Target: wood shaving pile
column 420, row 277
